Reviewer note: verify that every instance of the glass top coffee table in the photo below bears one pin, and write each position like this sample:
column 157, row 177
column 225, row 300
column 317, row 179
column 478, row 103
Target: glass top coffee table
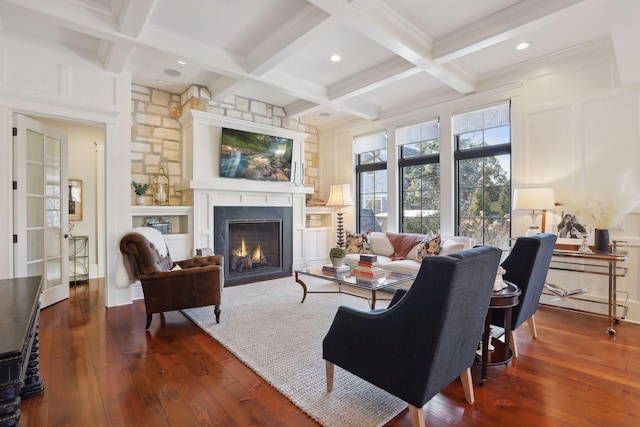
column 347, row 279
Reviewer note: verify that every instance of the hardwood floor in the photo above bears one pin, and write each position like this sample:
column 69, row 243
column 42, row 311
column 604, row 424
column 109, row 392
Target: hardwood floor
column 100, row 368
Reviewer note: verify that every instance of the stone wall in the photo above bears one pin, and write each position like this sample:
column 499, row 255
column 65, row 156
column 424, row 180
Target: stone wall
column 156, row 134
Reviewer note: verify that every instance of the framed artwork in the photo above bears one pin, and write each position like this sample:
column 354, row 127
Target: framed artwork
column 567, row 226
column 75, row 200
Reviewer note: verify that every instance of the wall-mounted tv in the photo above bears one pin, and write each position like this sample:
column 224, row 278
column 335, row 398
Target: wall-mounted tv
column 255, row 156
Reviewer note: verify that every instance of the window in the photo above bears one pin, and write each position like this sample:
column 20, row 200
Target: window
column 419, row 163
column 371, row 181
column 483, row 166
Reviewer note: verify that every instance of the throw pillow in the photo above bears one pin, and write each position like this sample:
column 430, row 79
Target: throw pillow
column 428, row 247
column 357, row 243
column 449, row 246
column 403, row 242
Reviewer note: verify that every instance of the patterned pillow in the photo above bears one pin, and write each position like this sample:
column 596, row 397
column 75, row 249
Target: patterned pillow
column 358, row 243
column 429, row 246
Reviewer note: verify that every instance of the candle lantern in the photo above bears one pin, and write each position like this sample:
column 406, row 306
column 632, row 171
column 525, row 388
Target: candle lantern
column 161, row 188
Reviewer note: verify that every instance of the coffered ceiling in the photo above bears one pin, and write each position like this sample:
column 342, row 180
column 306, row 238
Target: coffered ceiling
column 393, row 53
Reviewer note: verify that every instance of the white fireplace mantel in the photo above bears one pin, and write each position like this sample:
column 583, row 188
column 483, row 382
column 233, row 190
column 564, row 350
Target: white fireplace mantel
column 203, row 187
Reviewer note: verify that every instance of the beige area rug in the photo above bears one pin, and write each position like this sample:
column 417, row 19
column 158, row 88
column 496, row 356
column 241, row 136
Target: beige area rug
column 265, row 325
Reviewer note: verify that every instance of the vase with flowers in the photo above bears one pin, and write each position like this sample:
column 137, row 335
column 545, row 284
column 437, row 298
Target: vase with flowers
column 601, row 212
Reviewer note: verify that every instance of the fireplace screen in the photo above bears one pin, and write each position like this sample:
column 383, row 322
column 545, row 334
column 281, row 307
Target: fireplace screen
column 254, row 246
column 256, row 242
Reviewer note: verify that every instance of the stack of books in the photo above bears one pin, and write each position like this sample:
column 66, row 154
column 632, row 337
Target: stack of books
column 335, row 271
column 368, row 268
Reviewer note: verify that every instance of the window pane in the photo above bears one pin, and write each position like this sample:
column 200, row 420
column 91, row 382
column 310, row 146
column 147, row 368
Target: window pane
column 484, row 182
column 470, row 140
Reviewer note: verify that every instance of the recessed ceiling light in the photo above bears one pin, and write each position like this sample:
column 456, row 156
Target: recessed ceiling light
column 181, row 62
column 172, row 73
column 523, row 45
column 335, row 57
column 160, row 81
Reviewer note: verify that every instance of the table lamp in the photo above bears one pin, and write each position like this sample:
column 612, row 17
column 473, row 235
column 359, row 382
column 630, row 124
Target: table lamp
column 532, row 200
column 340, row 196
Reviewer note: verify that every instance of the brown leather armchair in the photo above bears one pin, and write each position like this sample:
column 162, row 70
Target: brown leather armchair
column 197, row 283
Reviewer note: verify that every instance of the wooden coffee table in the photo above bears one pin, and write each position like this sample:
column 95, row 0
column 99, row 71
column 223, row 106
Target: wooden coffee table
column 345, row 280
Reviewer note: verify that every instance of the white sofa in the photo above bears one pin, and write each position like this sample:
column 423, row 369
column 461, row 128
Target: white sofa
column 380, row 245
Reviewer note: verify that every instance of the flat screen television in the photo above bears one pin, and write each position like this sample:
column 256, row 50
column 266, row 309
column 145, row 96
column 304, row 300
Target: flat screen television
column 255, row 156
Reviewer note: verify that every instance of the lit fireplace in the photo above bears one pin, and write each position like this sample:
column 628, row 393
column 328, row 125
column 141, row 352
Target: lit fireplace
column 255, row 241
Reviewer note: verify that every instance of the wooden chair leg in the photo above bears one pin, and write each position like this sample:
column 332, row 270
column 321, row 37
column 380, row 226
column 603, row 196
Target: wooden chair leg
column 148, row 322
column 513, row 345
column 532, row 326
column 467, row 386
column 216, row 311
column 329, row 370
column 417, row 416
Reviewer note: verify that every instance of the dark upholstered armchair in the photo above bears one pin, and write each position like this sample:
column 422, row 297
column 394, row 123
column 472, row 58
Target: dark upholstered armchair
column 527, row 266
column 429, row 336
column 197, row 283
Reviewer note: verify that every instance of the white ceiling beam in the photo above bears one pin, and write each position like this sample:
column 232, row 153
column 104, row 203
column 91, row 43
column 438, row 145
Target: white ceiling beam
column 115, row 57
column 224, row 86
column 299, row 108
column 382, row 25
column 500, row 26
column 133, row 16
column 374, row 78
column 305, row 27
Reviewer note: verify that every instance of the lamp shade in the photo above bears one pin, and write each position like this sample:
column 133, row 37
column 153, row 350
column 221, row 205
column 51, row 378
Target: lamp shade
column 533, row 199
column 340, row 195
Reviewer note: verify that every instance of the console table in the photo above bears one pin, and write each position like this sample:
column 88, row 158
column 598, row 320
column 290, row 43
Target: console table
column 79, row 259
column 19, row 363
column 594, row 263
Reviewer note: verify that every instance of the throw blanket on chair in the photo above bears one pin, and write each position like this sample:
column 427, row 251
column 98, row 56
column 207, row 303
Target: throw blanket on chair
column 125, row 276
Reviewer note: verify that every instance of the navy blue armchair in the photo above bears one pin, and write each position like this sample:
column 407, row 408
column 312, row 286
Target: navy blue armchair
column 426, row 338
column 527, row 266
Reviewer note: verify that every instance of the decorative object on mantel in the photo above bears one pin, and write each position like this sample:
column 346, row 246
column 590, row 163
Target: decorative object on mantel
column 161, row 188
column 340, row 196
column 603, row 212
column 534, row 199
column 140, row 190
column 337, row 256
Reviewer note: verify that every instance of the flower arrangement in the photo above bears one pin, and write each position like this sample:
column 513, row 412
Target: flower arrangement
column 605, row 211
column 139, row 189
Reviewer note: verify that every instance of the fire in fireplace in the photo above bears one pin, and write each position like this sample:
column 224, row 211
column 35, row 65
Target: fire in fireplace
column 247, row 239
column 255, row 241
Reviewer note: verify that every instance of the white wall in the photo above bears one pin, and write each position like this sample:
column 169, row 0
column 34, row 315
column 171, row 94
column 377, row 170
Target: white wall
column 574, row 128
column 46, row 80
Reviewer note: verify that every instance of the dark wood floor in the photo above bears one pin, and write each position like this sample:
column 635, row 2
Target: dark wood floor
column 100, row 368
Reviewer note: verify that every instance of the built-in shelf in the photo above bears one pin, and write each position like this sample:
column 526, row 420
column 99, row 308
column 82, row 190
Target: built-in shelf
column 179, row 217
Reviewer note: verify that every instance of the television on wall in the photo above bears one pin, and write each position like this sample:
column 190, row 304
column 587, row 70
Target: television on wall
column 255, row 156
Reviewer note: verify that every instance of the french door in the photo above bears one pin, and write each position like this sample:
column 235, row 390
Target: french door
column 40, row 207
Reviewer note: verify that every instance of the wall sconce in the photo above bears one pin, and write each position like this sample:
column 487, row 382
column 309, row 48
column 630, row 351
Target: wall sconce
column 340, row 196
column 533, row 199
